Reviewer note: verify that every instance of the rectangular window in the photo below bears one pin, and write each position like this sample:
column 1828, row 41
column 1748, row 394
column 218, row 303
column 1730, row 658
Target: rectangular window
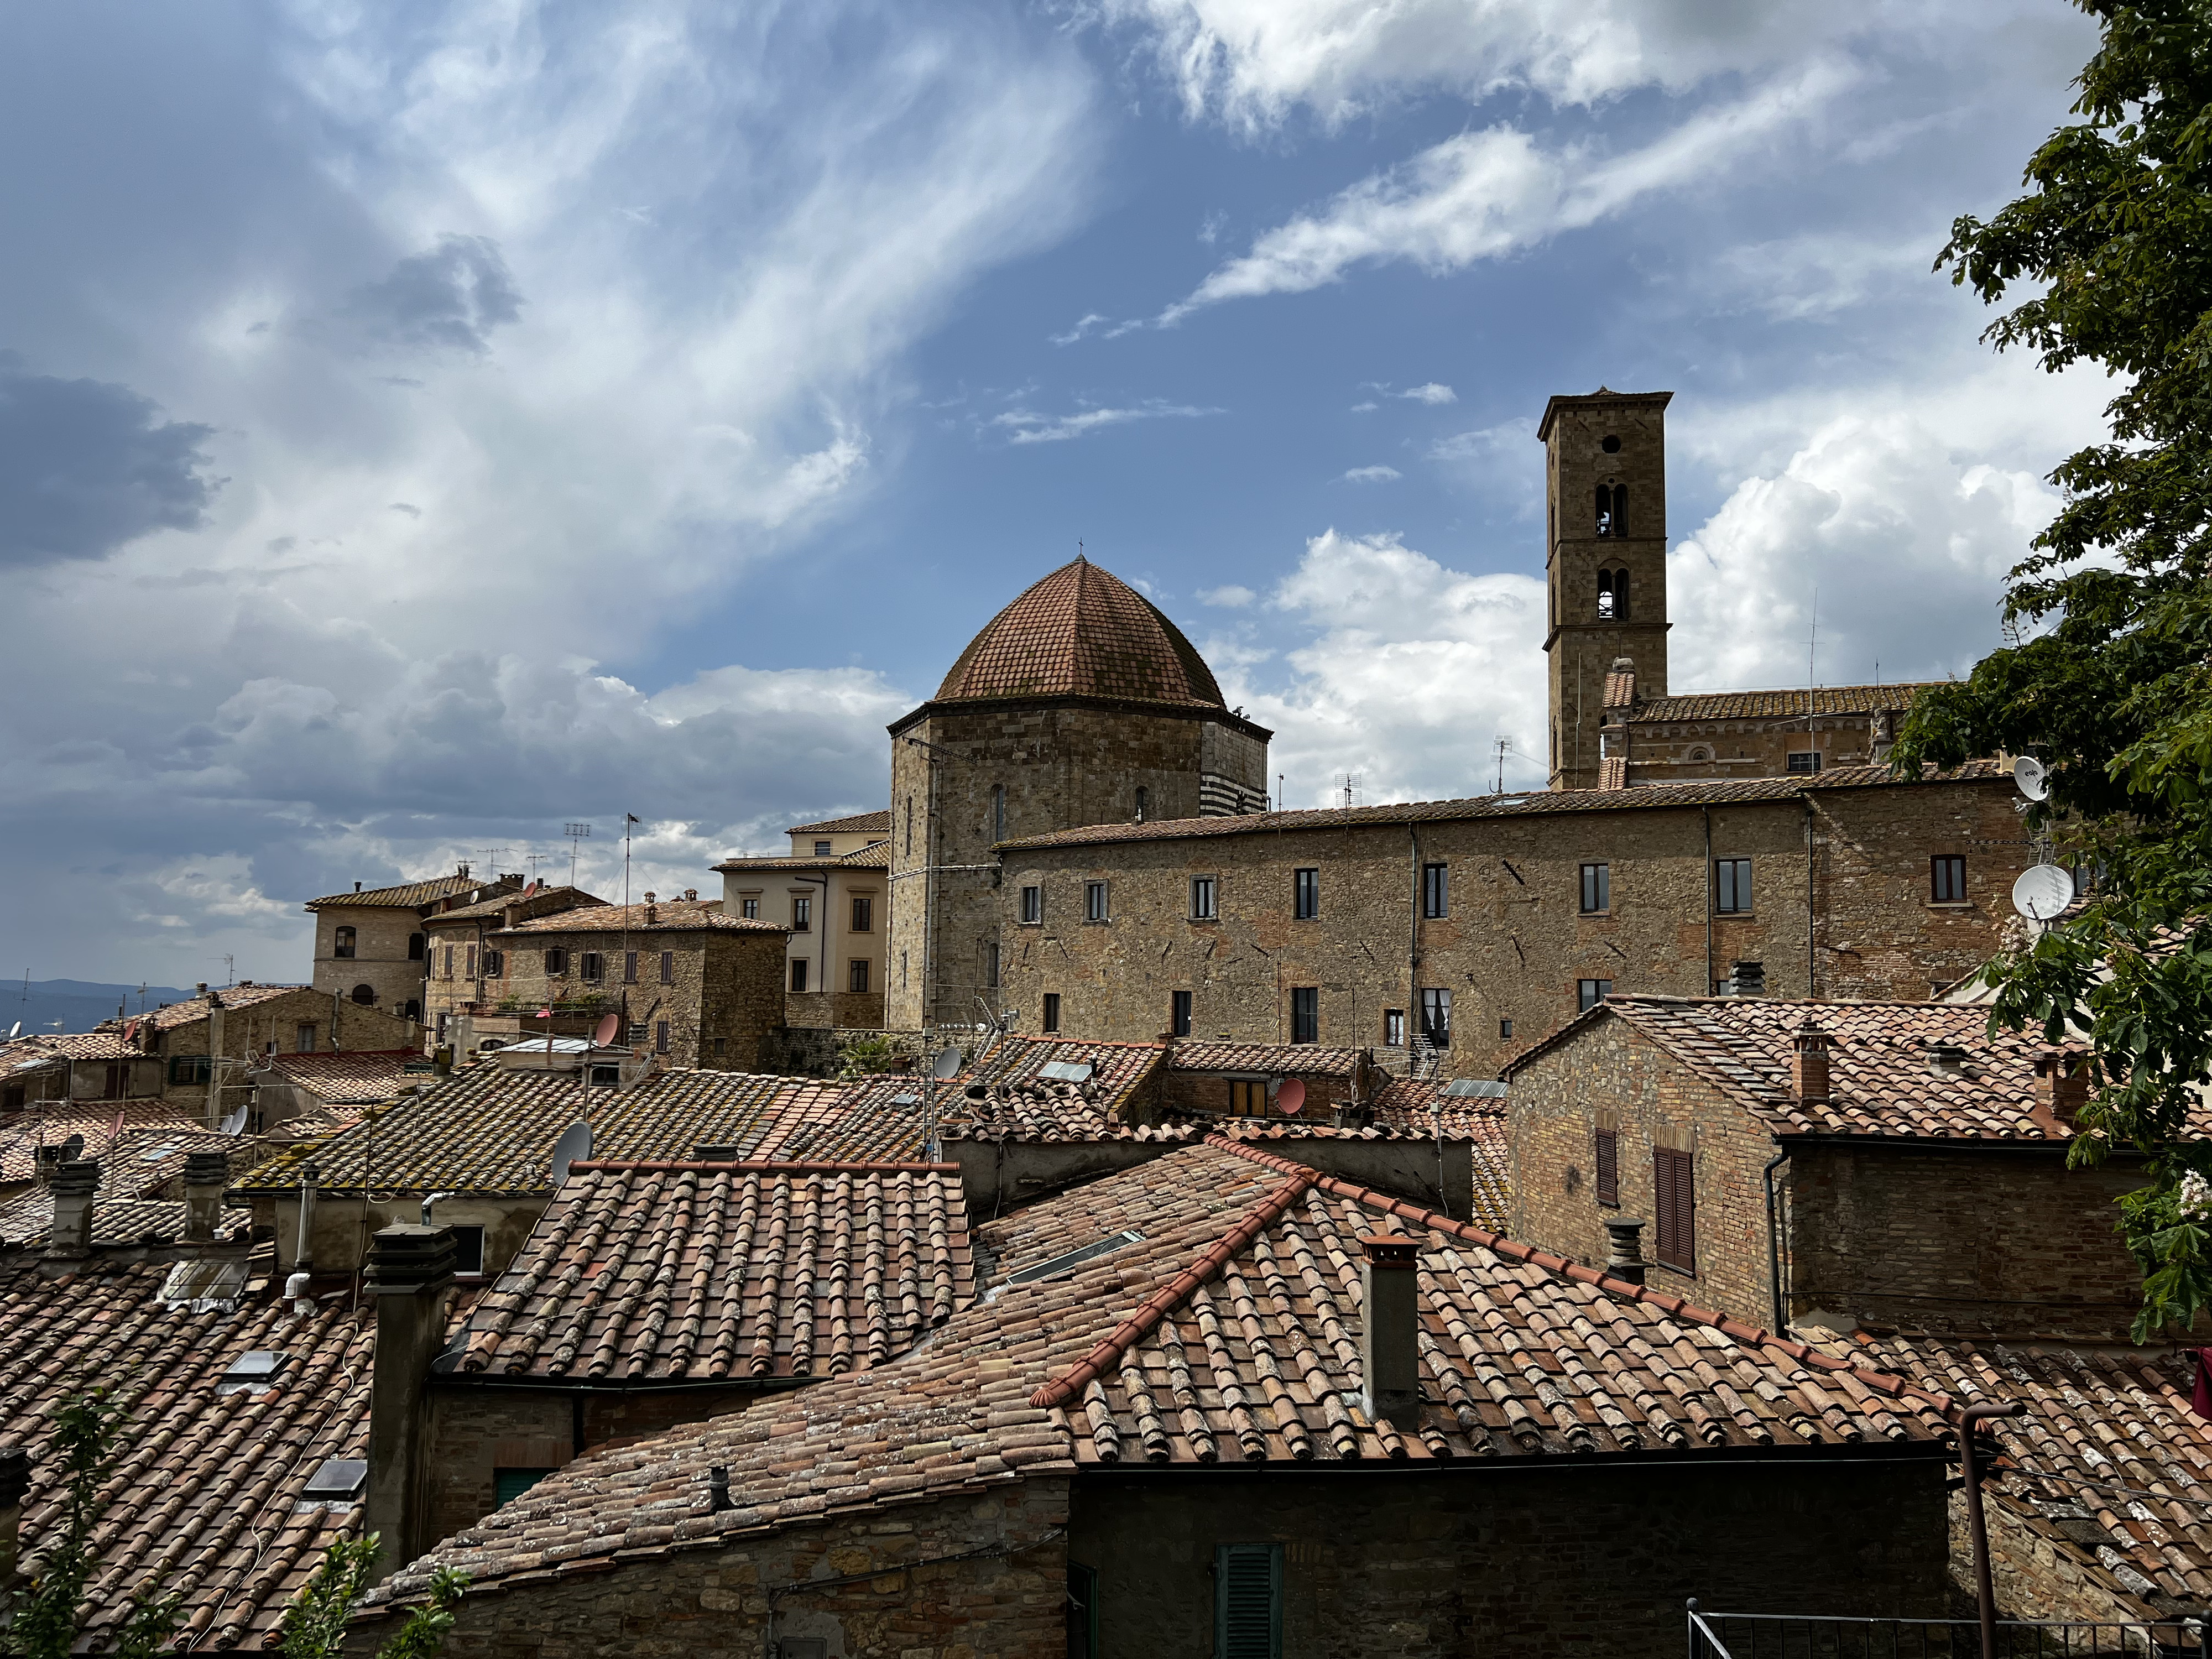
column 802, row 913
column 749, row 909
column 1608, row 1167
column 1597, row 888
column 1732, row 886
column 449, row 962
column 1032, row 905
column 1394, row 1028
column 1179, row 1013
column 1305, row 1014
column 473, row 962
column 1674, row 1205
column 189, row 1068
column 556, row 962
column 864, row 914
column 1504, row 1029
column 1052, row 1011
column 1094, row 900
column 1202, row 899
column 1305, row 894
column 798, row 974
column 591, row 967
column 997, row 811
column 821, row 849
column 342, row 942
column 1247, row 1097
column 629, row 966
column 1588, row 993
column 1435, row 1018
column 856, row 976
column 991, row 964
column 468, row 1249
column 303, row 1040
column 1947, row 880
column 1247, row 1602
column 1436, row 891
column 660, row 1038
column 668, row 966
column 494, row 964
column 508, row 1485
column 1805, row 760
column 1082, row 1611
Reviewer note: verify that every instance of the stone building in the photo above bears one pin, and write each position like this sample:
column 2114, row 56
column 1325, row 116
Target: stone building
column 458, row 952
column 371, row 948
column 1078, row 703
column 833, row 893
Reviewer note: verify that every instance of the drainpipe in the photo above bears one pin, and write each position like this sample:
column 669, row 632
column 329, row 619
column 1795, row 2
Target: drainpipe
column 1708, row 812
column 1781, row 1327
column 1976, row 1527
column 1414, row 947
column 1810, row 958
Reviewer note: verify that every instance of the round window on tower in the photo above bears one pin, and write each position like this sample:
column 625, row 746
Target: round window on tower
column 1610, row 446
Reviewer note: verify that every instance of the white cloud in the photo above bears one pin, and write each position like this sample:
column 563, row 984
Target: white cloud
column 1228, row 597
column 1431, row 394
column 1367, row 408
column 1371, row 474
column 1084, row 324
column 1481, row 195
column 1028, row 427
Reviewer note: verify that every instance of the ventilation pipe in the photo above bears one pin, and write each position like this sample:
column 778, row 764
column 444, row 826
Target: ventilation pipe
column 303, row 1253
column 1389, row 1328
column 1624, row 1257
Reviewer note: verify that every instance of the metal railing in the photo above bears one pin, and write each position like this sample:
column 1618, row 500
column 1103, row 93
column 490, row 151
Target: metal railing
column 1795, row 1636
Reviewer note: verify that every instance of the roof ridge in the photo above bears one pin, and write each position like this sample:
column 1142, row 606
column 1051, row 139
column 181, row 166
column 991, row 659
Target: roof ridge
column 1155, row 1308
column 1881, row 1382
column 756, row 1166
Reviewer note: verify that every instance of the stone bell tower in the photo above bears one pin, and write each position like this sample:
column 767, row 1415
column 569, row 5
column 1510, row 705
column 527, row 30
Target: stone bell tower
column 1605, row 563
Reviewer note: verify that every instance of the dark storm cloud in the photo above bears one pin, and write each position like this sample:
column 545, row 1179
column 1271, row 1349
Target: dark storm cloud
column 450, row 298
column 87, row 466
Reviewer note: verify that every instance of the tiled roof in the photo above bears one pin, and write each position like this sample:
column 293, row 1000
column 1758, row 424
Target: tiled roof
column 1020, row 1098
column 489, row 1130
column 546, row 901
column 408, row 894
column 1619, row 688
column 2109, row 1466
column 1305, row 1059
column 1419, row 1107
column 28, row 1220
column 195, row 1008
column 658, row 1272
column 51, row 1125
column 29, row 1051
column 860, row 823
column 366, row 1077
column 875, row 855
column 1532, row 803
column 1227, row 1334
column 1882, row 1079
column 1772, row 705
column 1082, row 631
column 208, row 1486
column 669, row 916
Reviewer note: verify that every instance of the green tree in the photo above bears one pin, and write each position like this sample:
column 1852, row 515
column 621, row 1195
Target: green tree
column 315, row 1623
column 2108, row 676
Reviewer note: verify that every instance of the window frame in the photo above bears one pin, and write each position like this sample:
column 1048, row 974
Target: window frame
column 1943, row 868
column 749, row 908
column 591, row 966
column 856, row 976
column 1248, row 1097
column 1033, row 906
column 799, row 976
column 668, row 966
column 1206, row 898
column 1436, row 892
column 345, row 943
column 1597, row 888
column 660, row 1038
column 802, row 913
column 1732, row 890
column 1232, row 1639
column 1394, row 1028
column 1589, row 993
column 1097, row 903
column 1605, row 1162
column 1305, row 894
column 1048, row 1015
column 495, row 963
column 303, row 1037
column 1436, row 998
column 864, row 914
column 1305, row 1014
column 556, row 962
column 822, row 850
column 1179, row 1013
column 1790, row 767
column 1674, row 1209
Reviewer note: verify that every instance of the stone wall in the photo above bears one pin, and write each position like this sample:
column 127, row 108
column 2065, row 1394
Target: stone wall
column 379, row 961
column 246, row 1032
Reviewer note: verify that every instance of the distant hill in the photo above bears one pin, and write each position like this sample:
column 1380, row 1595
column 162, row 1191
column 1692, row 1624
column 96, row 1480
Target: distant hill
column 79, row 1004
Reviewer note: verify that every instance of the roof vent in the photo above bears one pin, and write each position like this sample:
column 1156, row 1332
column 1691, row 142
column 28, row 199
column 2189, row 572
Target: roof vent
column 717, row 1151
column 1064, row 1070
column 339, row 1480
column 253, row 1372
column 1947, row 1059
column 1068, row 1263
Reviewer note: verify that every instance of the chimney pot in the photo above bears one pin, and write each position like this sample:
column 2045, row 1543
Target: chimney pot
column 1809, row 1061
column 2061, row 1083
column 1625, row 1249
column 73, row 1186
column 206, row 1174
column 200, row 988
column 1389, row 1328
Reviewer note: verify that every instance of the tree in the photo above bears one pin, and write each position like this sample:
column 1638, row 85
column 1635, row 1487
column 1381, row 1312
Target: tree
column 315, row 1623
column 2108, row 676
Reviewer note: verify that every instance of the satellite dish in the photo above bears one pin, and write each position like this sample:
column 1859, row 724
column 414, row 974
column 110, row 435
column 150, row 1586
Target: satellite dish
column 574, row 1145
column 606, row 1032
column 130, row 1031
column 72, row 1149
column 14, row 1030
column 530, row 889
column 2042, row 891
column 947, row 1064
column 2032, row 778
column 1289, row 1096
column 234, row 1122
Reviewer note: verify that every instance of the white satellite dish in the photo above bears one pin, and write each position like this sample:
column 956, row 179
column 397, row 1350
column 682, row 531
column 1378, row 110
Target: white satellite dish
column 574, row 1145
column 234, row 1122
column 2032, row 778
column 2042, row 891
column 947, row 1064
column 14, row 1030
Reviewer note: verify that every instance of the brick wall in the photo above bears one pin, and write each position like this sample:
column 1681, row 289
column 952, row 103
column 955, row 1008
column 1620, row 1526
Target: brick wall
column 715, row 1603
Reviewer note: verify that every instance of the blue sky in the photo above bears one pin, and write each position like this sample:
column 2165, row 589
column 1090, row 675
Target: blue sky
column 423, row 425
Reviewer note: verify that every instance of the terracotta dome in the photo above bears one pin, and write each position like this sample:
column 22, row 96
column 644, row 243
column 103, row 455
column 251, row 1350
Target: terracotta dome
column 1082, row 632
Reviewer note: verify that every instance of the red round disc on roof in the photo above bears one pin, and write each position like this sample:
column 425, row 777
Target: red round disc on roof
column 1290, row 1094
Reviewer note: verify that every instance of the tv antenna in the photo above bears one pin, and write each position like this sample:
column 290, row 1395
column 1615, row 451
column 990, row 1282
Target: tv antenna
column 578, row 834
column 492, row 857
column 229, row 969
column 1351, row 790
column 1503, row 746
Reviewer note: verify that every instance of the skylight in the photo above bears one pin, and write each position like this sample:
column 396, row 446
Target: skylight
column 1474, row 1088
column 339, row 1480
column 1065, row 1071
column 251, row 1372
column 1068, row 1263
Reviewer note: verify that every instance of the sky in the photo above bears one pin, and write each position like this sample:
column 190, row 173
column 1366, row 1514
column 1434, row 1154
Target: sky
column 423, row 427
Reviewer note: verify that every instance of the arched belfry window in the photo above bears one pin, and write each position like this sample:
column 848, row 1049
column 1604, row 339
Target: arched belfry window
column 1604, row 510
column 1613, row 509
column 1609, row 596
column 1621, row 596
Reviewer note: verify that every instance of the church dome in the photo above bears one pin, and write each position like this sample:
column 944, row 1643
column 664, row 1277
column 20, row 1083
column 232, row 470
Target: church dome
column 1082, row 632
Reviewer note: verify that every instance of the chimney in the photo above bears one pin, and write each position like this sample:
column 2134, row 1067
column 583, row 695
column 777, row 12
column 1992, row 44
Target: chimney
column 2061, row 1083
column 303, row 1252
column 73, row 1186
column 1389, row 1328
column 652, row 911
column 410, row 1270
column 356, row 887
column 1809, row 1067
column 14, row 1487
column 1624, row 1255
column 200, row 989
column 206, row 1174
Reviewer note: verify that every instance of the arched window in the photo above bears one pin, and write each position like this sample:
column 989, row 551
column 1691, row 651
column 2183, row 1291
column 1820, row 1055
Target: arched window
column 413, row 1010
column 1606, row 611
column 1697, row 756
column 1604, row 510
column 341, row 943
column 365, row 995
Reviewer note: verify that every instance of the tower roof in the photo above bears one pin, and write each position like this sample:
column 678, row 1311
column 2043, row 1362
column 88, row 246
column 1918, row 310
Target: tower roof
column 1082, row 631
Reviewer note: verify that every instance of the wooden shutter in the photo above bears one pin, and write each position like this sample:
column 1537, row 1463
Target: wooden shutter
column 1674, row 1201
column 1247, row 1602
column 1608, row 1167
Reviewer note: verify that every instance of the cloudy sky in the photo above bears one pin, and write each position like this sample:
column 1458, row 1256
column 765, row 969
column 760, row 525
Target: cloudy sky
column 422, row 425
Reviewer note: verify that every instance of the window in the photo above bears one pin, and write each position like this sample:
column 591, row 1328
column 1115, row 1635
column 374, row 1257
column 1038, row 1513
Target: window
column 864, row 914
column 1732, row 886
column 1608, row 1167
column 303, row 1040
column 468, row 1249
column 473, row 962
column 341, row 943
column 1804, row 759
column 449, row 962
column 1675, row 1203
column 1394, row 1028
column 1305, row 894
column 1947, row 880
column 749, row 908
column 1591, row 992
column 556, row 962
column 1611, row 444
column 1179, row 1013
column 1504, row 1029
column 1032, row 905
column 636, row 1035
column 1436, row 891
column 418, row 947
column 668, row 966
column 1143, row 801
column 1052, row 1011
column 410, row 1010
column 798, row 974
column 1597, row 888
column 1435, row 1018
column 1305, row 1014
column 1247, row 1602
column 1094, row 900
column 1612, row 596
column 991, row 964
column 802, row 913
column 910, row 826
column 190, row 1069
column 997, row 811
column 1247, row 1097
column 591, row 966
column 508, row 1485
column 364, row 996
column 660, row 1038
column 1613, row 510
column 1082, row 1611
column 494, row 964
column 1202, row 899
column 821, row 849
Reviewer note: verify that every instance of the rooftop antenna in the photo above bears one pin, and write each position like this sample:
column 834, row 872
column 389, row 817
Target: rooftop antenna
column 1504, row 746
column 578, row 834
column 536, row 858
column 229, row 969
column 1811, row 646
column 492, row 856
column 1349, row 778
column 1282, row 798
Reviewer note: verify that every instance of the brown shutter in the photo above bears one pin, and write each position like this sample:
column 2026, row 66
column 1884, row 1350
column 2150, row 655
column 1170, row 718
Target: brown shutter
column 1675, row 1193
column 1608, row 1167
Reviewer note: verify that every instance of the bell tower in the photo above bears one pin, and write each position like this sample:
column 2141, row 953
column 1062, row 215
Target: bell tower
column 1605, row 562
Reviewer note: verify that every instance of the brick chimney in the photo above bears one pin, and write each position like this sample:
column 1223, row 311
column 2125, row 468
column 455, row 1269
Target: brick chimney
column 410, row 1270
column 1624, row 1257
column 73, row 1186
column 206, row 1174
column 14, row 1485
column 1389, row 1328
column 2061, row 1083
column 652, row 911
column 1809, row 1061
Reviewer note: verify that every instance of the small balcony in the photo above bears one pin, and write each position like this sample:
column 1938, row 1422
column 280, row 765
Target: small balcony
column 1805, row 1636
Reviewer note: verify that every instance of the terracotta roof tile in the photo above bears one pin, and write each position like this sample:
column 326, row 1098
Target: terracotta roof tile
column 1305, row 1059
column 544, row 901
column 29, row 1051
column 195, row 1008
column 877, row 856
column 408, row 894
column 367, row 1076
column 668, row 916
column 1082, row 632
column 27, row 1221
column 1773, row 705
column 51, row 1126
column 860, row 823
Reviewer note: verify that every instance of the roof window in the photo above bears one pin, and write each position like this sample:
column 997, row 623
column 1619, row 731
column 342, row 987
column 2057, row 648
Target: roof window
column 1065, row 1071
column 1473, row 1088
column 339, row 1480
column 1068, row 1263
column 251, row 1372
